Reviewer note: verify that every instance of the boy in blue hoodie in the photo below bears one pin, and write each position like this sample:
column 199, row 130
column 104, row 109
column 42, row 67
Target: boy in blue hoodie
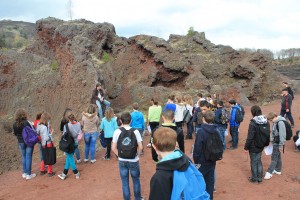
column 234, row 126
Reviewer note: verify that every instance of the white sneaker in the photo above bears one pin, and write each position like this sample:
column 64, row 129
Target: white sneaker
column 24, row 175
column 268, row 176
column 276, row 172
column 62, row 176
column 93, row 161
column 31, row 176
column 78, row 161
column 149, row 145
column 86, row 160
column 77, row 175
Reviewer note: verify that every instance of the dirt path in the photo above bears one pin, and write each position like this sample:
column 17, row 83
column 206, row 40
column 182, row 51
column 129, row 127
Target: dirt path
column 102, row 181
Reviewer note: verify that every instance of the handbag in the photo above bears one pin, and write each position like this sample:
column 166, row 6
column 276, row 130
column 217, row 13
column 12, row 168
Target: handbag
column 49, row 154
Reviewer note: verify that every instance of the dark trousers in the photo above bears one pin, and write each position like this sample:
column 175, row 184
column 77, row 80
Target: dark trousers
column 208, row 172
column 234, row 132
column 179, row 124
column 256, row 166
column 153, row 126
column 190, row 129
column 288, row 115
column 108, row 147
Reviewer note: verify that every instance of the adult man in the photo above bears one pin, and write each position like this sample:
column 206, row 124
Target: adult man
column 198, row 114
column 207, row 167
column 175, row 175
column 278, row 139
column 221, row 123
column 286, row 106
column 126, row 138
column 290, row 91
column 168, row 119
column 98, row 99
column 234, row 125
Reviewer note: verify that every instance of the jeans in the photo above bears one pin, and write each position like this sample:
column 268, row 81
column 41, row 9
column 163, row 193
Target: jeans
column 107, row 105
column 221, row 129
column 208, row 172
column 77, row 152
column 288, row 115
column 234, row 131
column 190, row 129
column 26, row 152
column 108, row 148
column 256, row 166
column 134, row 168
column 90, row 140
column 276, row 163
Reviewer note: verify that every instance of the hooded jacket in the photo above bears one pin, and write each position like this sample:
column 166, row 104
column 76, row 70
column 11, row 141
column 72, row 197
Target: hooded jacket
column 233, row 123
column 281, row 132
column 161, row 183
column 252, row 131
column 199, row 147
column 90, row 122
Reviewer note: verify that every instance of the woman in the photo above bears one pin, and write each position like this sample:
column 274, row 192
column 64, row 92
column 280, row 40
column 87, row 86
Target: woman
column 188, row 101
column 63, row 122
column 90, row 123
column 35, row 125
column 108, row 125
column 180, row 107
column 75, row 129
column 44, row 131
column 26, row 151
column 154, row 114
column 98, row 99
column 253, row 145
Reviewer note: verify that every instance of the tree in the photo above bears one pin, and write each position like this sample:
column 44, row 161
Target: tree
column 191, row 32
column 69, row 8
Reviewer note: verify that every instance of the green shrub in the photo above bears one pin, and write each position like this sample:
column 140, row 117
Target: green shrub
column 191, row 32
column 105, row 57
column 54, row 65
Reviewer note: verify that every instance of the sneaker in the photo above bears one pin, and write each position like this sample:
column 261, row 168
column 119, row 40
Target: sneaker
column 93, row 161
column 215, row 190
column 43, row 172
column 268, row 176
column 86, row 160
column 77, row 176
column 251, row 180
column 51, row 174
column 149, row 145
column 106, row 158
column 78, row 161
column 24, row 175
column 62, row 176
column 31, row 176
column 232, row 148
column 276, row 172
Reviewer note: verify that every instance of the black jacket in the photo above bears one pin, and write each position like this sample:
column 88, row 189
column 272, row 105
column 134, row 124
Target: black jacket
column 18, row 130
column 290, row 91
column 95, row 97
column 161, row 183
column 250, row 141
column 286, row 102
column 180, row 140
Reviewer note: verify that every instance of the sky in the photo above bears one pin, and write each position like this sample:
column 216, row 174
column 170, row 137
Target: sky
column 259, row 24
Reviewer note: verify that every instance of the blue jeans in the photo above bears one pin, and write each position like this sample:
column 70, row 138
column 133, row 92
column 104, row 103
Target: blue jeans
column 256, row 166
column 77, row 152
column 190, row 129
column 106, row 103
column 221, row 129
column 70, row 162
column 288, row 115
column 208, row 172
column 26, row 152
column 276, row 163
column 134, row 168
column 234, row 132
column 90, row 140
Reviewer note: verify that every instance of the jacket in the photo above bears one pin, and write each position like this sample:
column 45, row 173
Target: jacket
column 286, row 102
column 232, row 114
column 195, row 118
column 75, row 129
column 95, row 97
column 109, row 127
column 218, row 115
column 252, row 132
column 90, row 122
column 45, row 134
column 18, row 130
column 137, row 120
column 281, row 133
column 199, row 146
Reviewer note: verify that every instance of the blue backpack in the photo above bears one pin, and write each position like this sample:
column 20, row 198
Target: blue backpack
column 30, row 136
column 189, row 185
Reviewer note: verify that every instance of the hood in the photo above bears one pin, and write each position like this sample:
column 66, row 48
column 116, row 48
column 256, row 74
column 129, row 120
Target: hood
column 260, row 119
column 180, row 164
column 89, row 116
column 280, row 118
column 209, row 128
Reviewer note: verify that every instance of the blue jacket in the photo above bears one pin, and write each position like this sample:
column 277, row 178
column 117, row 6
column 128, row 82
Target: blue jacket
column 232, row 114
column 137, row 120
column 218, row 114
column 109, row 127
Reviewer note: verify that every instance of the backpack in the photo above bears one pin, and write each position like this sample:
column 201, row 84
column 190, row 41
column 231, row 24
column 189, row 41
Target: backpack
column 186, row 115
column 213, row 147
column 127, row 144
column 288, row 129
column 262, row 137
column 239, row 117
column 189, row 185
column 67, row 143
column 199, row 117
column 102, row 139
column 30, row 136
column 225, row 116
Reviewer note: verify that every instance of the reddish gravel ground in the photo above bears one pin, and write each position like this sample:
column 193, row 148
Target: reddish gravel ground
column 102, row 181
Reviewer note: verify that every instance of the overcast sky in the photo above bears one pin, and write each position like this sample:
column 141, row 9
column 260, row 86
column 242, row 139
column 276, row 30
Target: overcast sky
column 271, row 24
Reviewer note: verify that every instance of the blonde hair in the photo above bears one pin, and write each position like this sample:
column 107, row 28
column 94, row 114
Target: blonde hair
column 45, row 118
column 165, row 139
column 178, row 98
column 188, row 100
column 109, row 114
column 91, row 109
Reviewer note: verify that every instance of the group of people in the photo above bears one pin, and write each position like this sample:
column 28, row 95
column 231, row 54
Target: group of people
column 124, row 137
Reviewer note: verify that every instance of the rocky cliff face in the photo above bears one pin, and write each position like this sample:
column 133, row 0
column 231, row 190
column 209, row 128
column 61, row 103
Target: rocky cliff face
column 63, row 62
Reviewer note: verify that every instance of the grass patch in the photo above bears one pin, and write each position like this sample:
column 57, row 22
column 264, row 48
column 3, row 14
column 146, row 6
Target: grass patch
column 54, row 65
column 106, row 57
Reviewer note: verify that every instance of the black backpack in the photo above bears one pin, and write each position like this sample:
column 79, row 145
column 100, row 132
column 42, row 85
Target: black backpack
column 127, row 144
column 239, row 117
column 213, row 147
column 225, row 116
column 262, row 136
column 288, row 129
column 67, row 143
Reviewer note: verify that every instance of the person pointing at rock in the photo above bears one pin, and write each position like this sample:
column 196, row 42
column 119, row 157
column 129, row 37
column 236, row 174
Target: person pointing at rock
column 98, row 99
